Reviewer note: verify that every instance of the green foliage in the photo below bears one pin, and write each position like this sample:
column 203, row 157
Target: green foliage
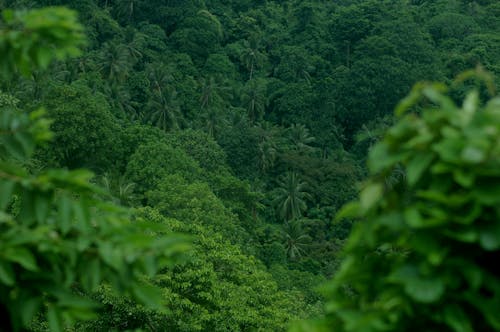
column 423, row 257
column 31, row 39
column 197, row 108
column 217, row 289
column 85, row 131
column 201, row 147
column 290, row 196
column 57, row 238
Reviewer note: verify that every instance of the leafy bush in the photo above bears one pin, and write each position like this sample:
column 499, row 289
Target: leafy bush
column 424, row 257
column 59, row 241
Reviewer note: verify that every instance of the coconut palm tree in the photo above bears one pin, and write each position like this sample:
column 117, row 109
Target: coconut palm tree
column 290, row 196
column 269, row 144
column 213, row 92
column 300, row 139
column 251, row 57
column 114, row 62
column 254, row 99
column 164, row 110
column 160, row 77
column 295, row 240
column 121, row 190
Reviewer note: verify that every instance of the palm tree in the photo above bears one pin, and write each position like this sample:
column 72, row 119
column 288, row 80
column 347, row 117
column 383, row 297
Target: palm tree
column 121, row 191
column 300, row 138
column 254, row 99
column 114, row 62
column 120, row 100
column 296, row 241
column 213, row 92
column 164, row 110
column 126, row 9
column 160, row 77
column 291, row 196
column 251, row 57
column 269, row 141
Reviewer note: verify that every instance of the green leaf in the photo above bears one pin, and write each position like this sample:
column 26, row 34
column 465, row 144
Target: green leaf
column 473, row 155
column 421, row 289
column 54, row 319
column 381, row 158
column 489, row 237
column 487, row 193
column 41, row 207
column 30, row 306
column 457, row 319
column 351, row 209
column 148, row 295
column 6, row 190
column 64, row 209
column 22, row 256
column 370, row 195
column 7, row 276
column 417, row 165
column 91, row 277
column 425, row 290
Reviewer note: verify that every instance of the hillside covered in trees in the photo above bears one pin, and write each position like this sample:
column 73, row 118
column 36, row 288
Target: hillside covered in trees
column 224, row 136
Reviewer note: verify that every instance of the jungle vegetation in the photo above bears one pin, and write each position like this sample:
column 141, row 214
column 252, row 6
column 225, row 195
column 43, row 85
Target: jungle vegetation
column 236, row 165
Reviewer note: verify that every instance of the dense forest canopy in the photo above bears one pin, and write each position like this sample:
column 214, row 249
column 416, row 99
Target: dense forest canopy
column 224, row 136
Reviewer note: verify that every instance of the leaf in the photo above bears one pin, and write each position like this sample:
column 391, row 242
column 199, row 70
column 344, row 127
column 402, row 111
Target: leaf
column 351, row 209
column 41, row 207
column 421, row 289
column 417, row 165
column 473, row 155
column 487, row 193
column 489, row 237
column 370, row 195
column 91, row 278
column 381, row 158
column 6, row 190
column 148, row 295
column 64, row 209
column 425, row 290
column 413, row 218
column 30, row 306
column 22, row 256
column 7, row 273
column 465, row 179
column 457, row 319
column 54, row 319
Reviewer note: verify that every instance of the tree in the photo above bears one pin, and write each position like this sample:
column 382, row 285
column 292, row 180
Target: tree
column 290, row 196
column 296, row 241
column 423, row 258
column 299, row 138
column 59, row 242
column 114, row 62
column 164, row 111
column 153, row 160
column 252, row 57
column 254, row 99
column 86, row 133
column 269, row 144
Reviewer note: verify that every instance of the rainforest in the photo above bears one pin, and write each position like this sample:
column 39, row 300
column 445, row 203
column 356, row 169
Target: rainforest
column 237, row 165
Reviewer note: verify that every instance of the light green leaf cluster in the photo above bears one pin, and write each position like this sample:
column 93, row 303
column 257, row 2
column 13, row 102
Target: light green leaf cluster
column 31, row 39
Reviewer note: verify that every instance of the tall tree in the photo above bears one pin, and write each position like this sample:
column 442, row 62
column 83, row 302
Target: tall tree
column 290, row 196
column 254, row 99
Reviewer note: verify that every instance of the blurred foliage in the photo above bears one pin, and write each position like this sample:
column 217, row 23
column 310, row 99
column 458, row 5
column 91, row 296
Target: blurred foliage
column 423, row 256
column 57, row 238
